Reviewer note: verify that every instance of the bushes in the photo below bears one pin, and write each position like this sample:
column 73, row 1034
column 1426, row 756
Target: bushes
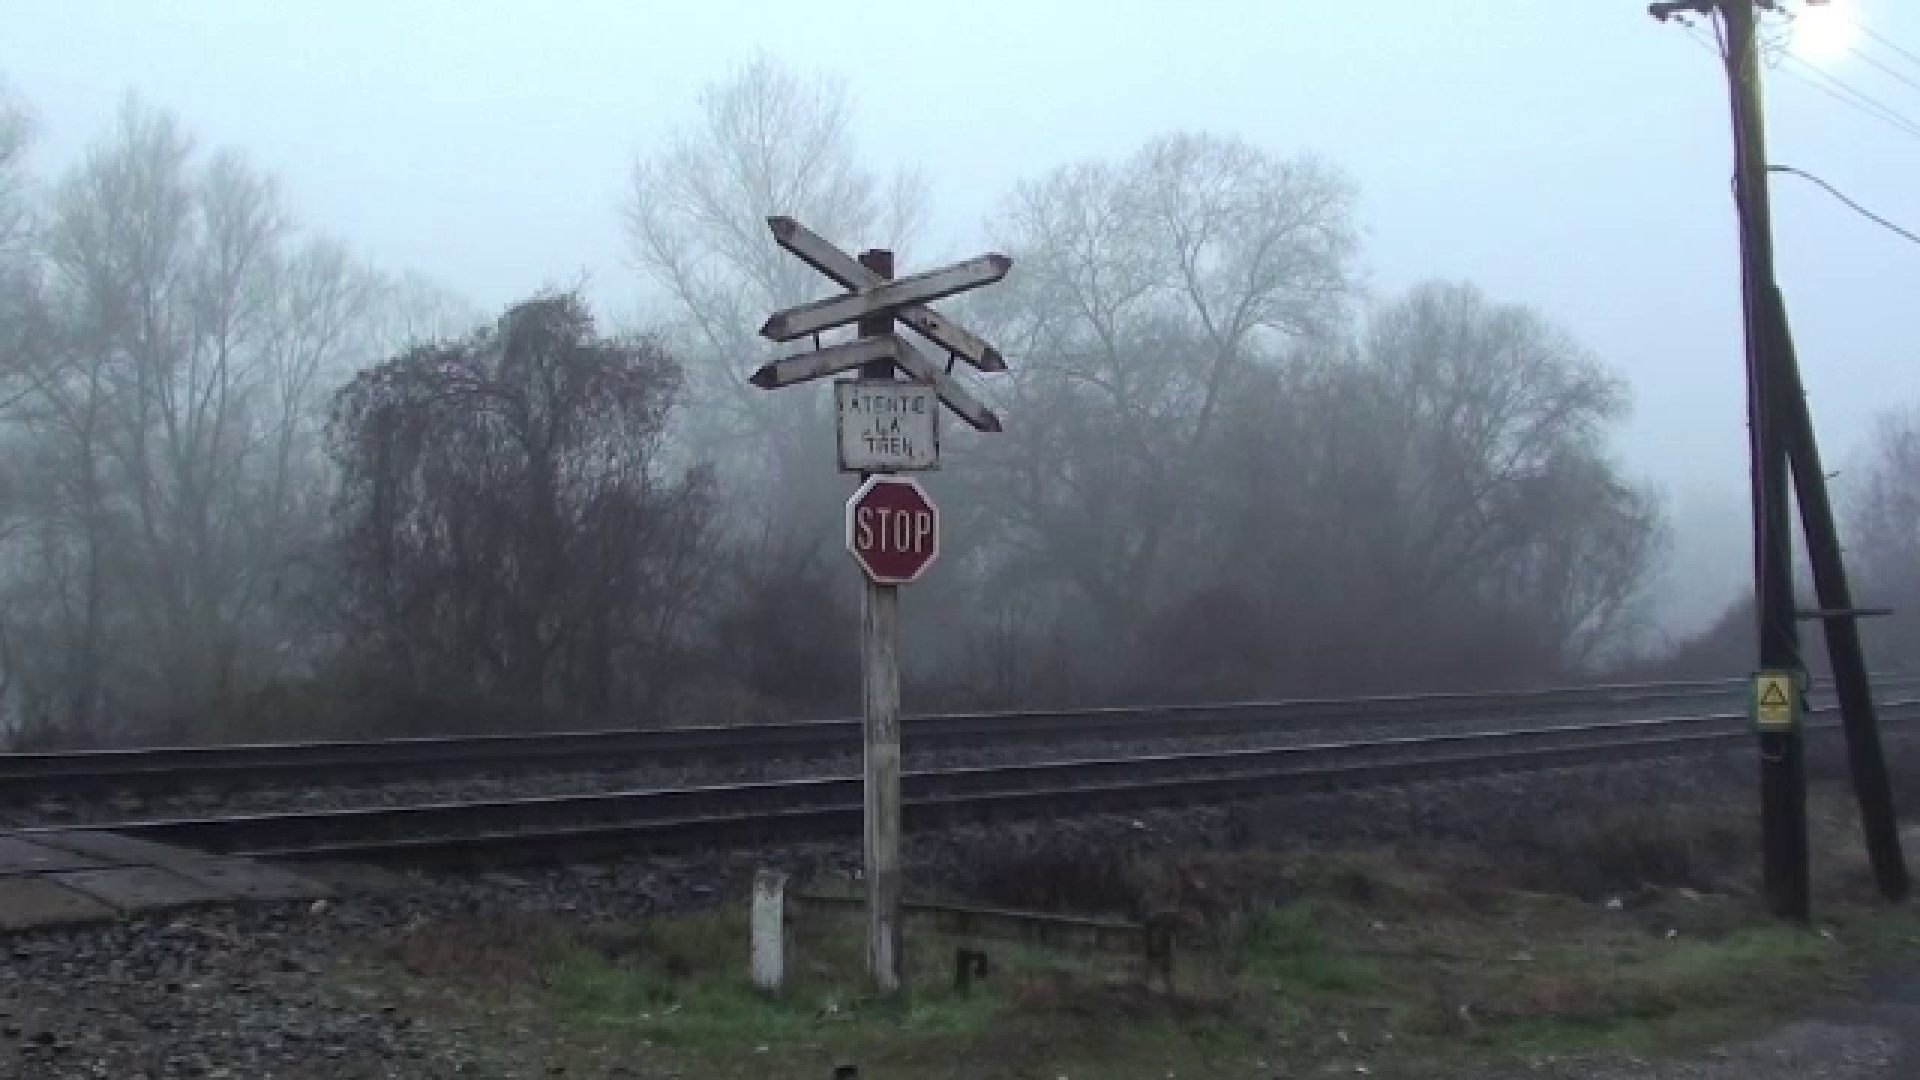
column 1622, row 849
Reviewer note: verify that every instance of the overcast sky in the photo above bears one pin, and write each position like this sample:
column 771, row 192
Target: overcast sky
column 1570, row 155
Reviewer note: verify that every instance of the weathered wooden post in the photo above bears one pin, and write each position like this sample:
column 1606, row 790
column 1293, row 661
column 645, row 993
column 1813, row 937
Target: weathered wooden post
column 880, row 638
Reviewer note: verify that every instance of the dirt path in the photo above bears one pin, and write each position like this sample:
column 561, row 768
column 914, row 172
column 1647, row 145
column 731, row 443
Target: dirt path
column 1874, row 1037
column 1896, row 1008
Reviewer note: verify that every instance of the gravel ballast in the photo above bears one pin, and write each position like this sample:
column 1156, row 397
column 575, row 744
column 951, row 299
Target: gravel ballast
column 275, row 991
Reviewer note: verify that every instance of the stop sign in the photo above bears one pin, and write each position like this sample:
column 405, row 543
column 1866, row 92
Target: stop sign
column 893, row 529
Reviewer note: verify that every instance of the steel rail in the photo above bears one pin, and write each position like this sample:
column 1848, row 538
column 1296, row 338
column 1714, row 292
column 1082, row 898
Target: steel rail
column 343, row 762
column 576, row 826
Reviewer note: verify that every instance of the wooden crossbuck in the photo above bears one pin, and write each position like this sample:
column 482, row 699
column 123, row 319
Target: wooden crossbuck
column 847, row 271
column 902, row 299
column 874, row 299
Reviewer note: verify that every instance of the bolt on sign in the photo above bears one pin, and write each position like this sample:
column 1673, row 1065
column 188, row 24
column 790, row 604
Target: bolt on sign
column 887, row 426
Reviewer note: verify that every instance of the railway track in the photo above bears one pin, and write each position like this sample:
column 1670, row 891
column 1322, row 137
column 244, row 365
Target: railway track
column 26, row 776
column 508, row 831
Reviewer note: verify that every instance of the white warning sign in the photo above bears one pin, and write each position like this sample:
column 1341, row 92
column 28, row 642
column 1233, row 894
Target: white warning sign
column 887, row 426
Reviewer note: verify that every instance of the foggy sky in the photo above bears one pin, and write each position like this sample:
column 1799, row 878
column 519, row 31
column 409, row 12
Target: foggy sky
column 1570, row 155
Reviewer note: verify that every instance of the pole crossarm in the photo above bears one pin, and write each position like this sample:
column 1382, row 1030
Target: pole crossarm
column 1667, row 9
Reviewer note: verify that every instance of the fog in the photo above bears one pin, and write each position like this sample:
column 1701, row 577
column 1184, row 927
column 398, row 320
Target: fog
column 1551, row 177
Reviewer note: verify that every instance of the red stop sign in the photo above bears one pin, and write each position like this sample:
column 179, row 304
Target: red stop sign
column 893, row 529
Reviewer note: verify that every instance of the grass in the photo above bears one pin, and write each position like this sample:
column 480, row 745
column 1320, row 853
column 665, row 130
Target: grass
column 1294, row 952
column 1316, row 980
column 679, row 988
column 1423, row 965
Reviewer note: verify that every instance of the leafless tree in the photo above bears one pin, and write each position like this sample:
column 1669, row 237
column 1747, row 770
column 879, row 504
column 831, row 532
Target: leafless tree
column 1883, row 537
column 508, row 532
column 1492, row 430
column 1147, row 293
column 412, row 309
column 1430, row 505
column 766, row 140
column 16, row 135
column 171, row 412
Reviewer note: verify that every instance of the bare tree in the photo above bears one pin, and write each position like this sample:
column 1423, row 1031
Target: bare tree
column 16, row 135
column 766, row 140
column 173, row 409
column 1148, row 293
column 1883, row 537
column 1493, row 429
column 509, row 534
column 21, row 305
column 411, row 309
column 1431, row 505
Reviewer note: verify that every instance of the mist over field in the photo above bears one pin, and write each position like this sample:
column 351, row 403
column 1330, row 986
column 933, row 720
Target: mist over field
column 384, row 369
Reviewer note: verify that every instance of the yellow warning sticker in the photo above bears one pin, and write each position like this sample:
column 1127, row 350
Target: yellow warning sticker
column 1773, row 697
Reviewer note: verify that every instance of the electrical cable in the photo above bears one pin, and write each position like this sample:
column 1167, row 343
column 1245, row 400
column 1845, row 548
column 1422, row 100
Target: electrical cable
column 1841, row 91
column 1854, row 206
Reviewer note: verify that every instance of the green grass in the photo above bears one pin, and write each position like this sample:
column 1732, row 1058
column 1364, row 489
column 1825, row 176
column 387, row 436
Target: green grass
column 1656, row 995
column 683, row 984
column 1401, row 981
column 1295, row 984
column 1297, row 950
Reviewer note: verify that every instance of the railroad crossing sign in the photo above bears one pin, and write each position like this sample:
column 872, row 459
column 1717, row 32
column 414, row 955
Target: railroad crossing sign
column 847, row 271
column 893, row 529
column 885, row 427
column 874, row 299
column 903, row 299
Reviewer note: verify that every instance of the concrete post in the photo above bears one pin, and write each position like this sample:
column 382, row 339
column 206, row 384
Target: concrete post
column 769, row 929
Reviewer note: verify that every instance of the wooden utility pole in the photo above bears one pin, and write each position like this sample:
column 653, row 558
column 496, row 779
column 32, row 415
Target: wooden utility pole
column 880, row 686
column 1783, row 768
column 1782, row 437
column 1783, row 782
column 1866, row 759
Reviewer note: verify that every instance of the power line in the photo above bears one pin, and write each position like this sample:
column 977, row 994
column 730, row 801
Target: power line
column 1892, row 72
column 1828, row 84
column 1874, row 35
column 1699, row 37
column 1854, row 206
column 1840, row 90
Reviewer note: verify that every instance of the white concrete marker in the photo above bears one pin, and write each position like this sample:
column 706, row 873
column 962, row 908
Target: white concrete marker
column 769, row 919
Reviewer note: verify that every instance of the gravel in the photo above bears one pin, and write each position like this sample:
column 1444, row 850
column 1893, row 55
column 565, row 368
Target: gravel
column 205, row 801
column 212, row 993
column 1807, row 1050
column 272, row 991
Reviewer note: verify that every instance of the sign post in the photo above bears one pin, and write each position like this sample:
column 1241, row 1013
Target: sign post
column 885, row 427
column 880, row 694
